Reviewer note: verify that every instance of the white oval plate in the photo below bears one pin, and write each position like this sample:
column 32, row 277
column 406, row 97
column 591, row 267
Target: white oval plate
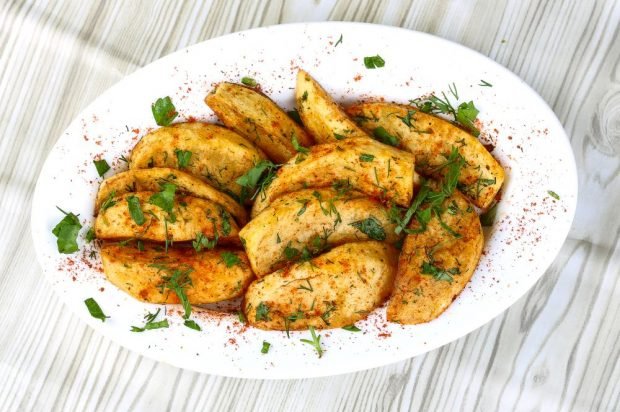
column 530, row 228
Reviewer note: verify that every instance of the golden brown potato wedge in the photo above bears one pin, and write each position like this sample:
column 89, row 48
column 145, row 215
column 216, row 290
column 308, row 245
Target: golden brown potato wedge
column 309, row 221
column 142, row 274
column 320, row 114
column 139, row 180
column 218, row 155
column 375, row 169
column 333, row 290
column 434, row 266
column 257, row 118
column 431, row 139
column 191, row 216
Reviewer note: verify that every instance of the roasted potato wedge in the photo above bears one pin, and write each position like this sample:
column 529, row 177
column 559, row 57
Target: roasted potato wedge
column 375, row 169
column 429, row 138
column 218, row 155
column 192, row 216
column 434, row 266
column 139, row 180
column 333, row 290
column 141, row 273
column 310, row 221
column 321, row 115
column 257, row 118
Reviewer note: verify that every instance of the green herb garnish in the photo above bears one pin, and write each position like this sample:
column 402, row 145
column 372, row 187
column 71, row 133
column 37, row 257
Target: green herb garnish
column 135, row 210
column 178, row 280
column 248, row 81
column 102, row 166
column 298, row 148
column 164, row 111
column 262, row 312
column 315, row 342
column 230, row 259
column 266, row 346
column 257, row 179
column 90, row 235
column 294, row 114
column 183, row 157
column 95, row 310
column 365, row 157
column 190, row 323
column 429, row 268
column 165, row 199
column 373, row 62
column 352, row 328
column 484, row 83
column 552, row 194
column 488, row 217
column 339, row 41
column 370, row 227
column 150, row 323
column 203, row 242
column 67, row 232
column 385, row 137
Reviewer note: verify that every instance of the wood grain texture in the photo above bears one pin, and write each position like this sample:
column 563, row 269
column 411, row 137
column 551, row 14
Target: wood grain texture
column 558, row 348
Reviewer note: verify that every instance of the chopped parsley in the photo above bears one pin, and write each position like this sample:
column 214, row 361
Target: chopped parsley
column 230, row 259
column 256, row 180
column 302, row 210
column 484, row 83
column 164, row 111
column 385, row 137
column 165, row 199
column 102, row 166
column 373, row 62
column 339, row 136
column 429, row 268
column 95, row 310
column 370, row 227
column 109, row 202
column 298, row 148
column 190, row 323
column 552, row 194
column 203, row 242
column 352, row 328
column 90, row 235
column 66, row 232
column 248, row 81
column 365, row 157
column 262, row 312
column 150, row 323
column 177, row 280
column 265, row 348
column 339, row 41
column 315, row 342
column 183, row 157
column 135, row 210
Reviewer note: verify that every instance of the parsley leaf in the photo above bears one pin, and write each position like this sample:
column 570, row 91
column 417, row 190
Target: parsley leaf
column 178, row 280
column 266, row 346
column 552, row 194
column 95, row 310
column 370, row 227
column 164, row 111
column 67, row 232
column 190, row 323
column 466, row 115
column 352, row 328
column 339, row 136
column 150, row 323
column 230, row 259
column 165, row 198
column 298, row 148
column 102, row 166
column 109, row 202
column 373, row 62
column 365, row 157
column 90, row 235
column 315, row 342
column 183, row 157
column 262, row 312
column 385, row 137
column 248, row 81
column 135, row 210
column 203, row 242
column 429, row 268
column 257, row 179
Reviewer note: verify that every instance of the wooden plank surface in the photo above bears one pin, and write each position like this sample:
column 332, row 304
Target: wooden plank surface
column 558, row 348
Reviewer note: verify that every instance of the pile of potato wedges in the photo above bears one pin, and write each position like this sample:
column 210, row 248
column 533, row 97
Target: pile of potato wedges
column 315, row 220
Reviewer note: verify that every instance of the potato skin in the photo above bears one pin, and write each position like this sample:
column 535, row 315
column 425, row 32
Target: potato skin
column 390, row 175
column 257, row 118
column 330, row 291
column 138, row 180
column 193, row 215
column 320, row 114
column 418, row 297
column 219, row 156
column 429, row 138
column 212, row 281
column 300, row 220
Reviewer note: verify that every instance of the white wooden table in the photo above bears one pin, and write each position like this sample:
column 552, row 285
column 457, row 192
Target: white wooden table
column 558, row 348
